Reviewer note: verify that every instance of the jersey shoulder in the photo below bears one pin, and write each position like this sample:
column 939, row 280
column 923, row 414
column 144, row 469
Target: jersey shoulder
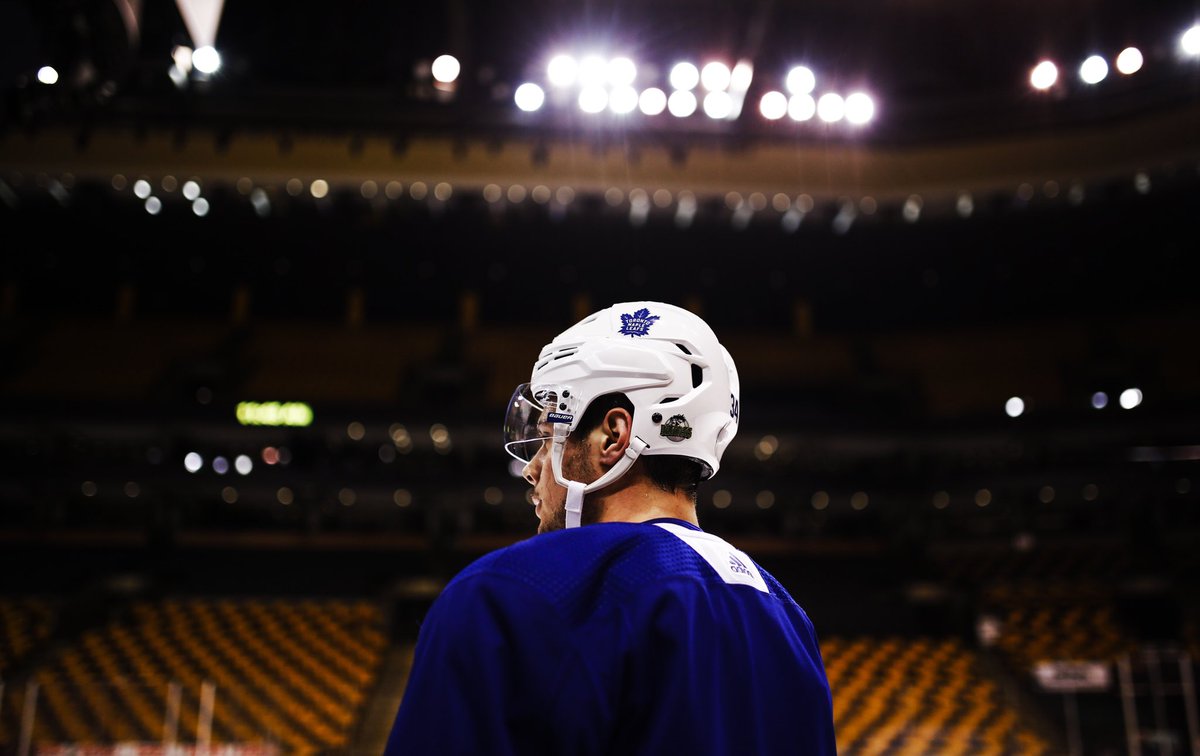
column 584, row 569
column 552, row 562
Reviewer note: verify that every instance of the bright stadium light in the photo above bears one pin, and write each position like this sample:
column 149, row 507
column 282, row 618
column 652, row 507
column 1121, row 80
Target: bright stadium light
column 653, row 101
column 1014, row 407
column 621, row 72
column 715, row 76
column 741, row 76
column 860, row 108
column 831, row 107
column 1043, row 75
column 801, row 80
column 1130, row 398
column 445, row 68
column 182, row 55
column 529, row 97
column 802, row 107
column 773, row 106
column 684, row 76
column 562, row 71
column 206, row 59
column 1189, row 43
column 47, row 75
column 1129, row 61
column 1093, row 70
column 718, row 105
column 593, row 70
column 593, row 99
column 681, row 103
column 623, row 100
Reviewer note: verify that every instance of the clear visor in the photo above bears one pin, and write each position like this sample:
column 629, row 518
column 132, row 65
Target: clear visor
column 529, row 422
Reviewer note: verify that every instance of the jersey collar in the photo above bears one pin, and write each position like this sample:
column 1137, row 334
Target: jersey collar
column 673, row 521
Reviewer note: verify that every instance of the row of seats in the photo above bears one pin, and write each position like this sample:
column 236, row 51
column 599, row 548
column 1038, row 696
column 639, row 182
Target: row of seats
column 1056, row 619
column 100, row 358
column 295, row 674
column 24, row 622
column 919, row 696
column 1075, row 563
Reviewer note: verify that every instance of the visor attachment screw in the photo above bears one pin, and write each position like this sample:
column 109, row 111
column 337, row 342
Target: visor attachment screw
column 562, row 405
column 566, row 394
column 656, row 417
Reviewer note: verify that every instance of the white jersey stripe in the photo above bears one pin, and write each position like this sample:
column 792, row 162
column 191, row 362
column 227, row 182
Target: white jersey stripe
column 732, row 565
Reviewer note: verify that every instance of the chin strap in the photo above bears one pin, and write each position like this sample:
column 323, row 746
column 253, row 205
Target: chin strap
column 576, row 490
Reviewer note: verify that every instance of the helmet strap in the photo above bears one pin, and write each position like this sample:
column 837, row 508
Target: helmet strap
column 576, row 490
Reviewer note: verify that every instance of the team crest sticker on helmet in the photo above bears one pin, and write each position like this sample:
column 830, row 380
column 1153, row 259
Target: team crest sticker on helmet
column 676, row 428
column 637, row 324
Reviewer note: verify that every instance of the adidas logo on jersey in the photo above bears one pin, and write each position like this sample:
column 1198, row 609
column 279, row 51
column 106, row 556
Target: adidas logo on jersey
column 737, row 565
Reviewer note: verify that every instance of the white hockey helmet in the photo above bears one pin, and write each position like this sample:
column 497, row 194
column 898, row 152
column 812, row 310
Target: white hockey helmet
column 681, row 381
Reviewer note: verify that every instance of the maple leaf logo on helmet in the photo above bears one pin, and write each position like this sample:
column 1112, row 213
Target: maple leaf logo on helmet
column 637, row 324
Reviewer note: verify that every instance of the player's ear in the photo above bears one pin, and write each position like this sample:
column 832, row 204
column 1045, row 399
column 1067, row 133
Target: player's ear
column 616, row 431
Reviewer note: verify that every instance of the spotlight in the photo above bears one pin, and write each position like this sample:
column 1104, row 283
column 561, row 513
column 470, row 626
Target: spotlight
column 717, row 105
column 182, row 55
column 593, row 70
column 802, row 107
column 529, row 97
column 562, row 71
column 860, row 108
column 1044, row 75
column 593, row 99
column 681, row 103
column 623, row 100
column 741, row 76
column 653, row 101
column 1014, row 406
column 621, row 72
column 773, row 106
column 1189, row 43
column 1093, row 70
column 684, row 76
column 715, row 76
column 801, row 80
column 47, row 75
column 1129, row 61
column 1099, row 400
column 831, row 107
column 1130, row 398
column 206, row 59
column 445, row 68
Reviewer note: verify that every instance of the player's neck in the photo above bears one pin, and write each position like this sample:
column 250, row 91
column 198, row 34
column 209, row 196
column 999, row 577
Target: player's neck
column 644, row 501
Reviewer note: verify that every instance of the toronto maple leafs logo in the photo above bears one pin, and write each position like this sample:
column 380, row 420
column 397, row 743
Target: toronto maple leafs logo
column 637, row 324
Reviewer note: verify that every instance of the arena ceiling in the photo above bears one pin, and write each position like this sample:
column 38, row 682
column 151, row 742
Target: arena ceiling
column 343, row 92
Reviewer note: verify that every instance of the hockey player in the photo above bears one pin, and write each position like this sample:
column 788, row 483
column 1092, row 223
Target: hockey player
column 637, row 633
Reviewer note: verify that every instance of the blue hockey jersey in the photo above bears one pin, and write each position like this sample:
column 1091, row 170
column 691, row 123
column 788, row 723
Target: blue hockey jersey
column 616, row 638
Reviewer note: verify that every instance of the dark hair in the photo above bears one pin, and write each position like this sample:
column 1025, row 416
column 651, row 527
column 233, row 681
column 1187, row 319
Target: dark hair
column 671, row 473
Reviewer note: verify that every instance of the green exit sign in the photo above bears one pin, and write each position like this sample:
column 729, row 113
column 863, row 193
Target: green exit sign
column 293, row 414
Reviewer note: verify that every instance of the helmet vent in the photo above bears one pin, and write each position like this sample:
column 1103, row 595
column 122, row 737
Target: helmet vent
column 697, row 375
column 557, row 354
column 683, row 349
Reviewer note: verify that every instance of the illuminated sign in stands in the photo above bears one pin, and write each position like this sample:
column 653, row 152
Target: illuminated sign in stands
column 294, row 414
